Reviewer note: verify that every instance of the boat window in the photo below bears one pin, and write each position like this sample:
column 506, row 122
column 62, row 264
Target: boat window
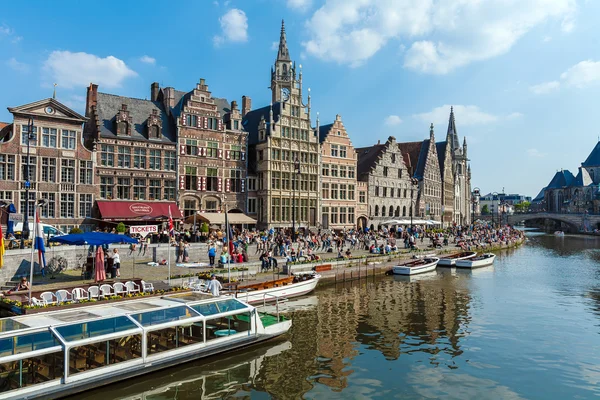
column 219, row 307
column 226, row 326
column 28, row 342
column 31, row 371
column 107, row 352
column 164, row 315
column 95, row 328
column 8, row 324
column 175, row 337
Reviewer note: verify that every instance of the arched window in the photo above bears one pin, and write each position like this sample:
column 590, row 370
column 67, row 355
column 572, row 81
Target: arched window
column 154, row 132
column 398, row 211
column 122, row 128
column 376, row 211
column 383, row 211
column 391, row 212
column 284, row 69
column 404, row 211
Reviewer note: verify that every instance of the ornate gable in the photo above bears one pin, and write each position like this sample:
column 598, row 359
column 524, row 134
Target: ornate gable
column 123, row 122
column 48, row 108
column 154, row 125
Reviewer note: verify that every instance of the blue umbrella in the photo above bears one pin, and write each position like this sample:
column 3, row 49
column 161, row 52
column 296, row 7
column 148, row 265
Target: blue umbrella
column 93, row 239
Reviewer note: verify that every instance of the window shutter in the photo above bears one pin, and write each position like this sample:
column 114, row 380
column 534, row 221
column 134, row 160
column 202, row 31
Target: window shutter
column 182, row 182
column 219, row 184
column 227, row 184
column 183, row 119
column 205, row 121
column 204, row 151
column 200, row 151
column 220, row 124
column 220, row 153
column 199, row 183
column 243, row 156
column 227, row 154
column 203, row 183
column 199, row 122
column 243, row 185
column 182, row 149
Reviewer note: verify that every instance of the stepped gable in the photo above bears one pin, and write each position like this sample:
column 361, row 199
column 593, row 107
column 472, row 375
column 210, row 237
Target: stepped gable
column 367, row 157
column 415, row 156
column 324, row 131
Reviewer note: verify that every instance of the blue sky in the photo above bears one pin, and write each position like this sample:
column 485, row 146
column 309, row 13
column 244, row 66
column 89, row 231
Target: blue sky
column 523, row 75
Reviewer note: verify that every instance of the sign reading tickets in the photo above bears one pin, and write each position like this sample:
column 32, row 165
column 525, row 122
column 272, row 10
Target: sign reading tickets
column 143, row 230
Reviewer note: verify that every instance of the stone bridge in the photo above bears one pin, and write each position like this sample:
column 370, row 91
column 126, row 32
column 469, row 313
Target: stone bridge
column 577, row 222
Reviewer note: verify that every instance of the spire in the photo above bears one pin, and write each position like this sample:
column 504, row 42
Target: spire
column 283, row 53
column 431, row 136
column 54, row 94
column 452, row 133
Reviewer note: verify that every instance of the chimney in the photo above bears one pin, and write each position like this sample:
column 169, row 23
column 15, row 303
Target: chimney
column 378, row 141
column 92, row 99
column 154, row 89
column 169, row 97
column 234, row 105
column 246, row 105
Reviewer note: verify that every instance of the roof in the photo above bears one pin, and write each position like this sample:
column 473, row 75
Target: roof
column 441, row 153
column 219, row 218
column 413, row 157
column 540, row 195
column 593, row 159
column 368, row 156
column 324, row 131
column 5, row 130
column 4, row 124
column 582, row 179
column 252, row 119
column 181, row 98
column 139, row 110
column 561, row 179
column 452, row 132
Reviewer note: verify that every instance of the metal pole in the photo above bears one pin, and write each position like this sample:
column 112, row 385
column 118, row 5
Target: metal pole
column 25, row 231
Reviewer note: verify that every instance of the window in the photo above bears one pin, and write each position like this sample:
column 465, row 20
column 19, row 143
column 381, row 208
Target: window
column 334, row 215
column 334, row 150
column 211, row 206
column 385, row 171
column 48, row 169
column 31, row 203
column 154, row 159
column 343, row 152
column 384, row 192
column 313, row 183
column 235, row 183
column 260, row 155
column 212, row 149
column 383, row 211
column 106, row 187
column 275, row 154
column 325, row 170
column 285, row 181
column 124, row 159
column 191, row 147
column 376, row 190
column 139, row 189
column 342, row 192
column 350, row 192
column 154, row 132
column 325, row 190
column 67, row 171
column 236, row 124
column 169, row 187
column 251, row 184
column 107, row 155
column 68, row 139
column 123, row 188
column 48, row 210
column 351, row 172
column 342, row 215
column 189, row 207
column 399, row 173
column 252, row 205
column 86, row 172
column 7, row 167
column 285, row 209
column 154, row 189
column 139, row 158
column 334, row 191
column 191, row 178
column 170, row 161
column 351, row 215
column 212, row 179
column 275, row 209
column 25, row 136
column 275, row 180
column 191, row 120
column 391, row 212
column 85, row 205
column 376, row 211
column 334, row 170
column 32, row 167
column 122, row 128
column 49, row 137
column 304, row 182
column 213, row 123
column 236, row 152
column 343, row 170
column 67, row 205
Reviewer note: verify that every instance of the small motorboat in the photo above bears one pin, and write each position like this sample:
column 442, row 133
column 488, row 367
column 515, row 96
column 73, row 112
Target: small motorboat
column 419, row 266
column 483, row 260
column 451, row 259
column 559, row 233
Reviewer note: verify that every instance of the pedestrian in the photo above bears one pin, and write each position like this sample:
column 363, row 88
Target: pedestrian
column 116, row 267
column 212, row 252
column 214, row 286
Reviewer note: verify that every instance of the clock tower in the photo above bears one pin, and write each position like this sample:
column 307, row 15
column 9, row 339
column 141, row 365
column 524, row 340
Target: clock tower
column 283, row 74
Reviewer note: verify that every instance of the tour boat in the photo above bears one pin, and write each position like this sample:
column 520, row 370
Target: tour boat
column 58, row 353
column 483, row 260
column 284, row 288
column 450, row 260
column 416, row 267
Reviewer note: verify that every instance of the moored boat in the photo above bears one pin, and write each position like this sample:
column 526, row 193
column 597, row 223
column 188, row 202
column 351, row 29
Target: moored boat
column 269, row 291
column 451, row 259
column 57, row 353
column 483, row 260
column 416, row 267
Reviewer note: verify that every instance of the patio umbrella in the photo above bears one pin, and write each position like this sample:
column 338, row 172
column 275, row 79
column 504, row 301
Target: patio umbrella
column 10, row 225
column 93, row 238
column 100, row 273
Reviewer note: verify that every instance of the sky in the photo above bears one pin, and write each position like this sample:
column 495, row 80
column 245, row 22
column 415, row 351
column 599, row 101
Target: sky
column 523, row 75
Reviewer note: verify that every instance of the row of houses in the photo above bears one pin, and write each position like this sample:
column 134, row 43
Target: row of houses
column 185, row 152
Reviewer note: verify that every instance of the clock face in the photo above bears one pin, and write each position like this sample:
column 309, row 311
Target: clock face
column 285, row 92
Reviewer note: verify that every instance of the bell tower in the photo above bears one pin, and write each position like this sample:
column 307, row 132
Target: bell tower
column 283, row 73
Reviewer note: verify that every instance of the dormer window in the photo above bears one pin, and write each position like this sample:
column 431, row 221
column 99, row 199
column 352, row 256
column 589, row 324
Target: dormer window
column 122, row 128
column 123, row 122
column 154, row 124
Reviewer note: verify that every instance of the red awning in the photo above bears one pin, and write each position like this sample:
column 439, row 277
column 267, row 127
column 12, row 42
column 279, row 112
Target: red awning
column 137, row 210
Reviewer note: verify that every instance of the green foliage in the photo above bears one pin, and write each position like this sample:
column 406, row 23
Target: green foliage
column 485, row 209
column 121, row 227
column 75, row 230
column 204, row 228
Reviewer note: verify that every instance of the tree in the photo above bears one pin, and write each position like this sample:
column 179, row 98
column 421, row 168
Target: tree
column 526, row 205
column 485, row 209
column 204, row 227
column 121, row 227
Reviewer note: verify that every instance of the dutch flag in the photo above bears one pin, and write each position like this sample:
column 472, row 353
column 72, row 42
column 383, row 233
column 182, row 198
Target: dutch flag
column 39, row 242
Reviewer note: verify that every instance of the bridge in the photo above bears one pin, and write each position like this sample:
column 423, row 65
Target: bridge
column 577, row 222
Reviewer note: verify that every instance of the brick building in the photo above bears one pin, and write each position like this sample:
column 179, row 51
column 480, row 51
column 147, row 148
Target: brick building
column 61, row 167
column 338, row 177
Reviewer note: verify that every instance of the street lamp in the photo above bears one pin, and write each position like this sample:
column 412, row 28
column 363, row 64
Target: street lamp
column 39, row 203
column 297, row 170
column 474, row 201
column 494, row 197
column 25, row 230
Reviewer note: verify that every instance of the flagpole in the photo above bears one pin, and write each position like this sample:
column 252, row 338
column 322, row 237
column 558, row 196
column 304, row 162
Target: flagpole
column 35, row 228
column 228, row 246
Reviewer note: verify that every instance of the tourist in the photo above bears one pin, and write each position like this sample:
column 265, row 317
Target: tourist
column 214, row 286
column 212, row 252
column 116, row 267
column 22, row 285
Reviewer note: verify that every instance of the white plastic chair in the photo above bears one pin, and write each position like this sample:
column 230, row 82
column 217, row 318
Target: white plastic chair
column 119, row 288
column 147, row 287
column 132, row 287
column 36, row 302
column 93, row 292
column 199, row 286
column 79, row 294
column 48, row 298
column 62, row 296
column 105, row 290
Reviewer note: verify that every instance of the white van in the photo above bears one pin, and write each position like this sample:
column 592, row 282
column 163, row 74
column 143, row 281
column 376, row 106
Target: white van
column 49, row 230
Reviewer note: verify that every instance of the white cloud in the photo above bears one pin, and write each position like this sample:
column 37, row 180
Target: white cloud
column 17, row 65
column 514, row 115
column 442, row 35
column 299, row 5
column 148, row 60
column 8, row 32
column 464, row 115
column 545, row 87
column 275, row 45
column 392, row 120
column 535, row 153
column 234, row 27
column 79, row 69
column 582, row 74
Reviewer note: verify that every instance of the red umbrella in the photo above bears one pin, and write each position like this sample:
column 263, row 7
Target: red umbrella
column 100, row 273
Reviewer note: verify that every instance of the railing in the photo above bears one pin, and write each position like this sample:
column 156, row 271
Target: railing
column 67, row 187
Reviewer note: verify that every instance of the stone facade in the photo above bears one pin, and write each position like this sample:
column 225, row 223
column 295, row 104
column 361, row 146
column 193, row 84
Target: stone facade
column 338, row 177
column 61, row 167
column 462, row 175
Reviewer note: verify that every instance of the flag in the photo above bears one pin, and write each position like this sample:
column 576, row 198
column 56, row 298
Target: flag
column 171, row 226
column 228, row 234
column 1, row 247
column 39, row 241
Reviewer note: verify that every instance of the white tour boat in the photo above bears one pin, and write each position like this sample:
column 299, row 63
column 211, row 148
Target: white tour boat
column 284, row 288
column 483, row 260
column 416, row 267
column 451, row 259
column 58, row 353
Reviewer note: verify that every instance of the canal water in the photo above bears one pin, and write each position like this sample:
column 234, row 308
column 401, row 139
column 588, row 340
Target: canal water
column 526, row 328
